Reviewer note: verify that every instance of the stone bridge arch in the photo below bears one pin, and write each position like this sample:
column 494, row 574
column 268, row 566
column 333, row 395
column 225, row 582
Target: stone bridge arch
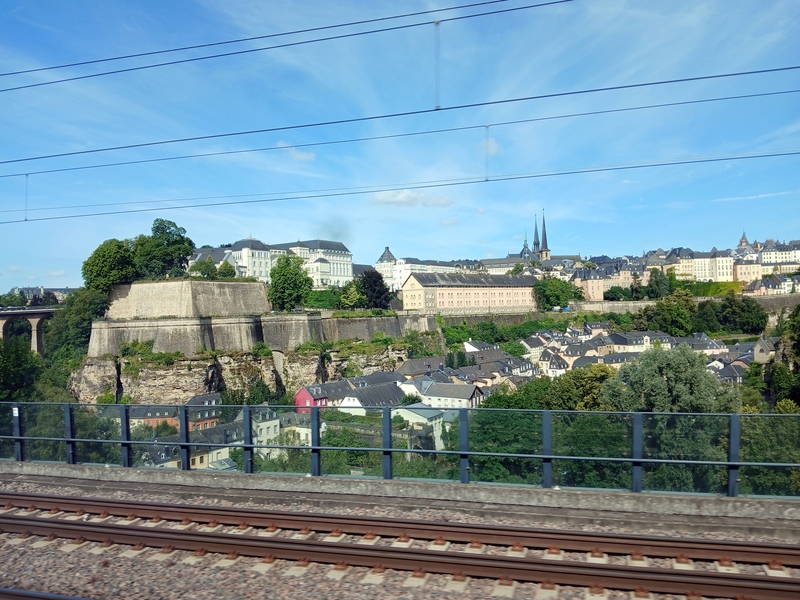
column 34, row 317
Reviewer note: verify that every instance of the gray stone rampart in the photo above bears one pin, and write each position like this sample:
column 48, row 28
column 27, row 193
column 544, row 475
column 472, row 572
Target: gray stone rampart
column 697, row 506
column 177, row 335
column 279, row 332
column 184, row 298
column 287, row 332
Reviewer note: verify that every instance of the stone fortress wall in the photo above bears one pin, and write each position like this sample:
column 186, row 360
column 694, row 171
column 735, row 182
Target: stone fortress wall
column 187, row 316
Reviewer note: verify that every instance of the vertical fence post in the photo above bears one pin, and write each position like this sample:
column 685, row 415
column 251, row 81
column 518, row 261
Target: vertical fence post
column 547, row 448
column 316, row 456
column 386, row 421
column 733, row 454
column 463, row 443
column 636, row 450
column 125, row 435
column 19, row 455
column 247, row 431
column 69, row 433
column 183, row 417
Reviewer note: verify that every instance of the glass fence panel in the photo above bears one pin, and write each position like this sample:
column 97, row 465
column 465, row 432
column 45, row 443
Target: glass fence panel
column 351, row 428
column 770, row 439
column 97, row 422
column 157, row 427
column 685, row 437
column 43, row 420
column 420, row 428
column 6, row 428
column 595, row 435
column 503, row 432
column 281, row 426
column 216, row 436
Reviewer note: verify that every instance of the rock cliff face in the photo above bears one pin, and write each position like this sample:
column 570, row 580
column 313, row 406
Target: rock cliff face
column 147, row 383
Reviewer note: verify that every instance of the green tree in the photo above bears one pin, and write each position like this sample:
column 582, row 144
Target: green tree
column 13, row 299
column 706, row 317
column 673, row 315
column 659, row 286
column 226, row 270
column 409, row 399
column 781, row 382
column 616, row 293
column 516, row 269
column 514, row 349
column 289, row 283
column 330, row 299
column 676, row 381
column 110, row 264
column 163, row 253
column 71, row 326
column 673, row 380
column 352, row 296
column 554, row 292
column 374, row 289
column 19, row 368
column 205, row 268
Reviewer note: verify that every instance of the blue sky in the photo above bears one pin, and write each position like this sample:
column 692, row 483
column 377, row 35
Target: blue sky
column 573, row 46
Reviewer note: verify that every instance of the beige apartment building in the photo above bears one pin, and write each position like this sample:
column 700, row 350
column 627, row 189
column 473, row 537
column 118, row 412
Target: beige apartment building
column 462, row 294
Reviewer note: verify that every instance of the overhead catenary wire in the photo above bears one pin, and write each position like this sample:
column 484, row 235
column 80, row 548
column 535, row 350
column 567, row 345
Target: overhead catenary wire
column 249, row 39
column 437, row 184
column 409, row 113
column 399, row 135
column 276, row 47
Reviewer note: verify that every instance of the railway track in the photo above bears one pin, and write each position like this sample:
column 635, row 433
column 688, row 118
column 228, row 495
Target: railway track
column 546, row 557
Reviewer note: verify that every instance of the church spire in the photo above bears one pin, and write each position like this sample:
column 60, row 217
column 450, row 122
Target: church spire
column 545, row 251
column 536, row 234
column 544, row 234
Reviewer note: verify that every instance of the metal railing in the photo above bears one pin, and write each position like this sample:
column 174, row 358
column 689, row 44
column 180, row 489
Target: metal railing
column 609, row 450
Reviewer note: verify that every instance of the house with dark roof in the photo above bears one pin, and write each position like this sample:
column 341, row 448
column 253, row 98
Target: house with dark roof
column 322, row 394
column 359, row 400
column 639, row 341
column 420, row 366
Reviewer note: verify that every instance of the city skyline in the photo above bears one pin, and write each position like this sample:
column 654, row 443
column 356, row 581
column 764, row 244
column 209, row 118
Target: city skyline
column 424, row 195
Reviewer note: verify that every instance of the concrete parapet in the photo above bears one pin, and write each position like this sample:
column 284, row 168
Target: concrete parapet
column 644, row 503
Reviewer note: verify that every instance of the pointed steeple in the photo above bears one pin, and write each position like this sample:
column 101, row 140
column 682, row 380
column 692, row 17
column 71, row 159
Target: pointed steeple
column 544, row 234
column 536, row 234
column 544, row 254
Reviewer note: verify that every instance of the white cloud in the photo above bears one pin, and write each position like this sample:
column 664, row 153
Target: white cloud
column 753, row 197
column 409, row 198
column 490, row 146
column 480, row 211
column 59, row 273
column 296, row 154
column 14, row 269
column 449, row 222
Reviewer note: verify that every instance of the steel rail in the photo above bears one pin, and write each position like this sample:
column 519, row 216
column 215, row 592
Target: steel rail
column 448, row 562
column 579, row 541
column 12, row 594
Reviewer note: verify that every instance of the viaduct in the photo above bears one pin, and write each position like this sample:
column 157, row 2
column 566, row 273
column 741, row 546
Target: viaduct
column 35, row 315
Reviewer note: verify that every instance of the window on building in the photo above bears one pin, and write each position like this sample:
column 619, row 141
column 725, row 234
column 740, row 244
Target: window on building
column 194, row 461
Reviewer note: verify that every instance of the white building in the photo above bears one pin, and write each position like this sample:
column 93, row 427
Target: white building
column 395, row 271
column 327, row 263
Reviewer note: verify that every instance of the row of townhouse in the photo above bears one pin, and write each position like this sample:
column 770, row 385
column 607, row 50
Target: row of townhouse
column 773, row 285
column 745, row 263
column 328, row 263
